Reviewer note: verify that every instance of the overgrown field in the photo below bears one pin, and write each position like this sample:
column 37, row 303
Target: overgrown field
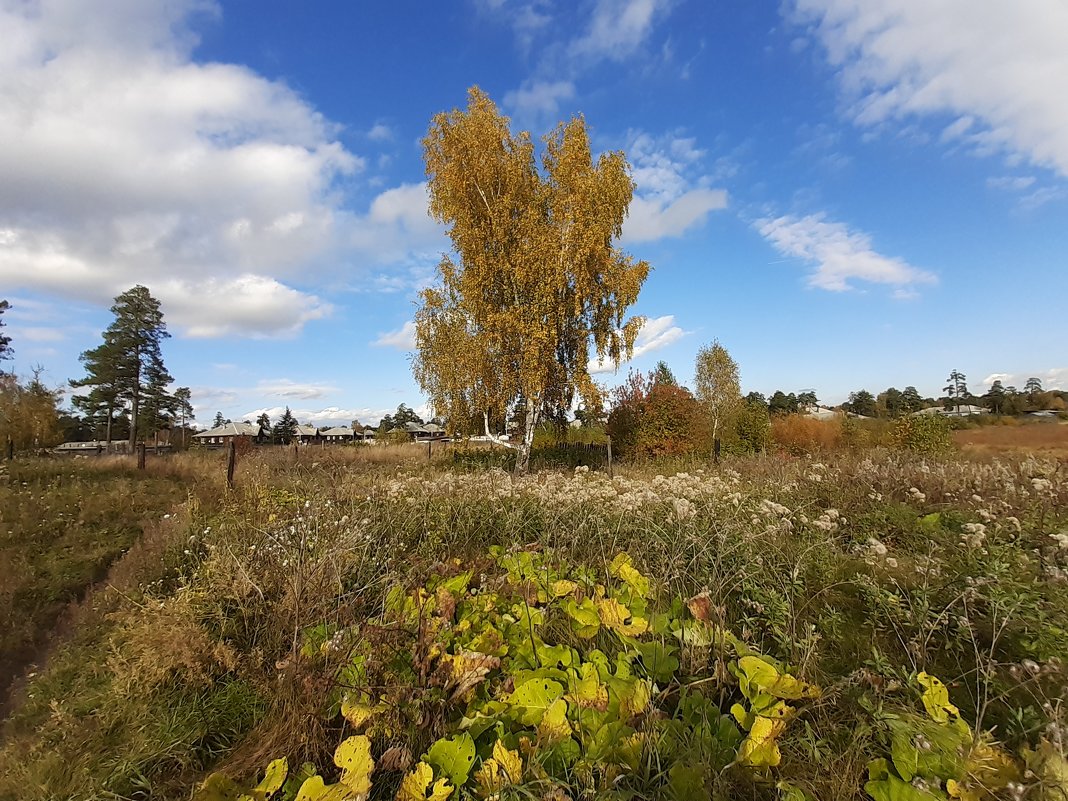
column 876, row 626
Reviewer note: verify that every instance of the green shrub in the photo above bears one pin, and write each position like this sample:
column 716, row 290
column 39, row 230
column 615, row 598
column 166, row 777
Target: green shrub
column 923, row 434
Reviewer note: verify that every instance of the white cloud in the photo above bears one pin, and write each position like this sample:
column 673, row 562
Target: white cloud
column 657, row 333
column 653, row 218
column 617, row 28
column 665, row 202
column 1012, row 183
column 380, row 133
column 123, row 161
column 997, row 71
column 329, row 416
column 838, row 254
column 248, row 305
column 402, row 339
column 285, row 388
column 398, row 227
column 1051, row 378
column 536, row 99
column 36, row 333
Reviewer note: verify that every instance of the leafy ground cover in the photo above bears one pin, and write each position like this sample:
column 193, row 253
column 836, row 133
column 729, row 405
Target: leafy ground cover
column 875, row 626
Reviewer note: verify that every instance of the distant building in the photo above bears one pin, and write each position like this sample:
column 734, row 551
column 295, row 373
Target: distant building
column 820, row 412
column 337, row 434
column 227, row 433
column 421, row 432
column 306, row 435
column 964, row 410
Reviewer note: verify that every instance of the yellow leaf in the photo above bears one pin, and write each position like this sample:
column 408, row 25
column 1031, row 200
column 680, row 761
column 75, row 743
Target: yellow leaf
column 759, row 749
column 936, row 698
column 509, row 761
column 615, row 616
column 623, row 569
column 356, row 712
column 589, row 692
column 416, row 785
column 467, row 669
column 502, row 769
column 353, row 756
column 562, row 587
column 635, row 702
column 314, row 789
column 554, row 726
column 765, row 677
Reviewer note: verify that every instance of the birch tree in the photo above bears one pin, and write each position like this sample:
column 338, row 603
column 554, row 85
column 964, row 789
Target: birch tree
column 534, row 280
column 716, row 385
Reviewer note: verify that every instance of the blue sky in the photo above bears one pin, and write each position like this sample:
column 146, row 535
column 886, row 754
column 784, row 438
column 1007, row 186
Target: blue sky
column 846, row 194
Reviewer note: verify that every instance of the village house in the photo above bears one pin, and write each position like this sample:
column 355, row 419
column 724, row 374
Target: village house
column 227, row 433
column 337, row 434
column 306, row 435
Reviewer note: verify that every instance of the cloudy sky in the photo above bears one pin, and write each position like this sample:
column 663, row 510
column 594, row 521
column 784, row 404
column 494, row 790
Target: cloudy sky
column 846, row 194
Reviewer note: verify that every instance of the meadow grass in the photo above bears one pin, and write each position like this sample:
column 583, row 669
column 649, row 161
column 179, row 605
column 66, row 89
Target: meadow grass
column 859, row 572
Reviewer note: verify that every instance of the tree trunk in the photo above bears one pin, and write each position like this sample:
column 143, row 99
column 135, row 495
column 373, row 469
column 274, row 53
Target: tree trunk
column 522, row 459
column 111, row 414
column 491, row 437
column 134, row 409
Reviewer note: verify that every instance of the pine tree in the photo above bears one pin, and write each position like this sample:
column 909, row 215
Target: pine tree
column 956, row 389
column 104, row 399
column 128, row 367
column 183, row 408
column 286, row 428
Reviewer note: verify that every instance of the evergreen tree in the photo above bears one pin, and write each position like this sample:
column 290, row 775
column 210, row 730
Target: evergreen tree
column 861, row 402
column 663, row 376
column 956, row 390
column 405, row 415
column 264, row 422
column 219, row 420
column 995, row 398
column 911, row 400
column 1033, row 387
column 892, row 402
column 183, row 408
column 781, row 403
column 285, row 430
column 128, row 366
column 757, row 399
column 104, row 399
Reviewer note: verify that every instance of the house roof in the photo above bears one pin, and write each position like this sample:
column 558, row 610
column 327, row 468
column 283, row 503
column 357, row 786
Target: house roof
column 337, row 431
column 307, row 431
column 242, row 429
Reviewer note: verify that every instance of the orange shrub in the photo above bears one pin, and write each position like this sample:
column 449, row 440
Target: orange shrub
column 801, row 435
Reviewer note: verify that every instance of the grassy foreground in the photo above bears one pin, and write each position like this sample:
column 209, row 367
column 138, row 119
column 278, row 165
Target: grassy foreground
column 870, row 626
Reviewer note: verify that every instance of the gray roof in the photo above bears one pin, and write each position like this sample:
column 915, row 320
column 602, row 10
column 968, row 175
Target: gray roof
column 307, row 431
column 242, row 429
column 337, row 431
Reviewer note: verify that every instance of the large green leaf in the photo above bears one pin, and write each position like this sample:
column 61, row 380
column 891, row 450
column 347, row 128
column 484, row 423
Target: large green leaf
column 453, row 757
column 530, row 700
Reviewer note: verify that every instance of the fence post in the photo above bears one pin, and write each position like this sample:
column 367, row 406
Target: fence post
column 428, row 445
column 140, row 456
column 609, row 457
column 231, row 461
column 10, row 449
